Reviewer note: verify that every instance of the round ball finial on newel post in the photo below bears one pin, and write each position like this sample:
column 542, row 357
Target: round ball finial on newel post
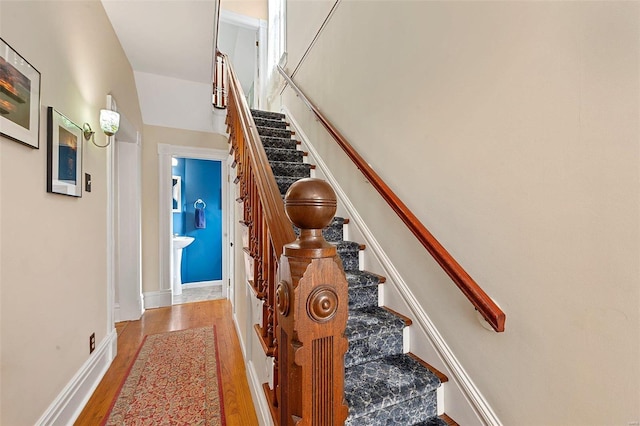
column 310, row 204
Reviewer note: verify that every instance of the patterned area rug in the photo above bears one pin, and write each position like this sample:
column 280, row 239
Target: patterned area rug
column 174, row 380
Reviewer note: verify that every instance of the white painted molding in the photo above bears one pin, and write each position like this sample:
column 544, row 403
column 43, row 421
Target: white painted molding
column 66, row 408
column 157, row 299
column 116, row 313
column 200, row 284
column 240, row 339
column 165, row 230
column 459, row 376
column 239, row 20
column 259, row 398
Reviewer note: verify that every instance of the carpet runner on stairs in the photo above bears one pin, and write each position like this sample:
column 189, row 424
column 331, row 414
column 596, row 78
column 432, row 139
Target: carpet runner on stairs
column 383, row 385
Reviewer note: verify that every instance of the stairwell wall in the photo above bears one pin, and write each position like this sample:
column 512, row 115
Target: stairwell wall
column 510, row 129
column 53, row 248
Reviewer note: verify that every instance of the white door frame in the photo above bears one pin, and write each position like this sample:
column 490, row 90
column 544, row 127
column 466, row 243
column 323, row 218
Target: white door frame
column 260, row 27
column 165, row 229
column 128, row 277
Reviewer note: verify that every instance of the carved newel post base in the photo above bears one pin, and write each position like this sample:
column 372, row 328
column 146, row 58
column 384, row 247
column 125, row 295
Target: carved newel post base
column 311, row 300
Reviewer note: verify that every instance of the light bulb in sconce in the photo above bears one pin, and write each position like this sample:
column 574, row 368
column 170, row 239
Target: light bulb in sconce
column 109, row 121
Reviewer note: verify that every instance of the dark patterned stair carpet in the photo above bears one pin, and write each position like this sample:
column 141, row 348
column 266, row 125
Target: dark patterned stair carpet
column 383, row 386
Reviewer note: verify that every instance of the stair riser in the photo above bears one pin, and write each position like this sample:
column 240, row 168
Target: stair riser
column 265, row 122
column 288, row 155
column 406, row 413
column 372, row 348
column 281, row 143
column 350, row 260
column 362, row 297
column 298, row 170
column 277, row 133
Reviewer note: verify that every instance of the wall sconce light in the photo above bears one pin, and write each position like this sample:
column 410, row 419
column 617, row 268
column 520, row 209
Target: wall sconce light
column 109, row 123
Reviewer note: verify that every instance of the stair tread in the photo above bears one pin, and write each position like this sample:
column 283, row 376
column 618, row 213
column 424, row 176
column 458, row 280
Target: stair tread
column 385, row 382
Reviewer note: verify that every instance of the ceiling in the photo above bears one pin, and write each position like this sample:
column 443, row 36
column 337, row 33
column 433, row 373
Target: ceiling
column 173, row 38
column 170, row 45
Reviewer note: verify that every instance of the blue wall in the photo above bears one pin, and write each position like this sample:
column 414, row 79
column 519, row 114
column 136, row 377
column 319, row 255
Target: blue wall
column 202, row 259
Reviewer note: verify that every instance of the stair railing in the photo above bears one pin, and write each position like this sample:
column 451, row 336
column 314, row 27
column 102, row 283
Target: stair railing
column 476, row 295
column 300, row 282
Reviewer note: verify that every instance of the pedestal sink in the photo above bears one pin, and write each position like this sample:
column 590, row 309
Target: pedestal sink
column 179, row 243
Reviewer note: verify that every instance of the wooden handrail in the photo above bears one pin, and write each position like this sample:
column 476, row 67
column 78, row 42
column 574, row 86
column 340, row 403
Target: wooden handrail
column 482, row 302
column 275, row 216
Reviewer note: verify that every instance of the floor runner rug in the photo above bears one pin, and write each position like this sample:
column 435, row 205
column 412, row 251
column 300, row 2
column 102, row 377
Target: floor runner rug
column 174, row 380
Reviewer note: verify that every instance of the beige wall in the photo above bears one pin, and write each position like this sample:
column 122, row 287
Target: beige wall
column 254, row 8
column 511, row 130
column 53, row 248
column 154, row 135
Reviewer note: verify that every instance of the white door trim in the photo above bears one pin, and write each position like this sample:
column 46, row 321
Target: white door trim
column 165, row 229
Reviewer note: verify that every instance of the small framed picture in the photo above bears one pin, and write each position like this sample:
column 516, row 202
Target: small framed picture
column 19, row 98
column 64, row 155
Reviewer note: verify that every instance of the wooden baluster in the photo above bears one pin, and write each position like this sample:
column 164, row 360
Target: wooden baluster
column 312, row 299
column 264, row 326
column 272, row 289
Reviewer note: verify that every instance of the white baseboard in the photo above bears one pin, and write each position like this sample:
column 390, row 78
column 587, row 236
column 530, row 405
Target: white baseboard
column 116, row 313
column 240, row 339
column 66, row 408
column 202, row 284
column 157, row 299
column 475, row 400
column 260, row 400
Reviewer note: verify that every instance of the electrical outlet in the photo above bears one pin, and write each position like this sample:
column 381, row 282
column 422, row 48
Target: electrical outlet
column 92, row 343
column 87, row 182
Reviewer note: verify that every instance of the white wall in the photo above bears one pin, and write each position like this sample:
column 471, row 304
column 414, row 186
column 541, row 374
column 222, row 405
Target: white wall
column 53, row 248
column 190, row 101
column 511, row 130
column 254, row 8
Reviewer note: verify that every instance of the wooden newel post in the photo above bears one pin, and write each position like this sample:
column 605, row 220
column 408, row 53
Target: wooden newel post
column 311, row 300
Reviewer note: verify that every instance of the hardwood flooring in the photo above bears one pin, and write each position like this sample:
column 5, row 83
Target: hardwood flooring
column 238, row 405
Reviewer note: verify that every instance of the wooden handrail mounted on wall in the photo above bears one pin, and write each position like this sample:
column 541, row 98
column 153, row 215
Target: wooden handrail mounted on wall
column 482, row 302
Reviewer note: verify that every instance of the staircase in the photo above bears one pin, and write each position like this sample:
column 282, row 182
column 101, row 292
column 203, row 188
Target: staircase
column 383, row 385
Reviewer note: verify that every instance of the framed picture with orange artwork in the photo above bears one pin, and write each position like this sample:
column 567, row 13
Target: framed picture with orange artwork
column 19, row 98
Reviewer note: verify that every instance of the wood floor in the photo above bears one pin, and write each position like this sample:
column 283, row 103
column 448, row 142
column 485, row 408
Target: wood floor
column 238, row 405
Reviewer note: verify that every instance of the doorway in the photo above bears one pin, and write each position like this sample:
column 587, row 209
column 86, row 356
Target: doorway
column 166, row 154
column 197, row 230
